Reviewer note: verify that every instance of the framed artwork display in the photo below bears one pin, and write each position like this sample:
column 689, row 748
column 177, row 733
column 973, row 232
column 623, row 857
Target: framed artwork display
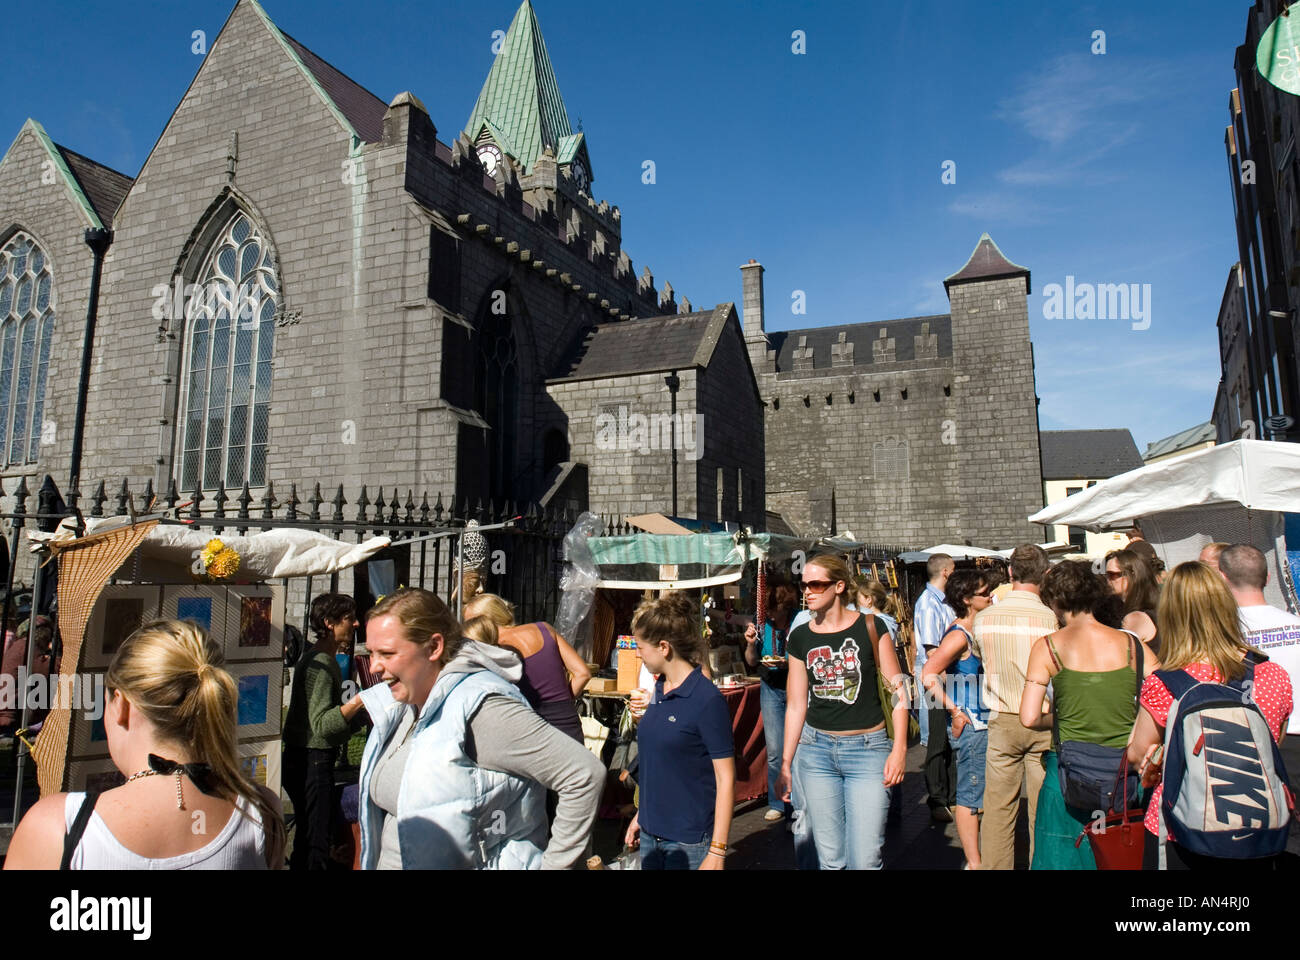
column 205, row 604
column 255, row 623
column 260, row 695
column 98, row 775
column 119, row 612
column 88, row 738
column 260, row 761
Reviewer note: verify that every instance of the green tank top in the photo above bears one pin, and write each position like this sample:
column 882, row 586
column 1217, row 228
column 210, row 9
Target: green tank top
column 1095, row 707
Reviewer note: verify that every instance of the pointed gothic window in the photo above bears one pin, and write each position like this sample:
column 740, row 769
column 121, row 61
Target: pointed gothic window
column 227, row 378
column 26, row 332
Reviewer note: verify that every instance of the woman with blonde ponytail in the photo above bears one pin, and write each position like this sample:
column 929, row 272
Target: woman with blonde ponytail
column 170, row 718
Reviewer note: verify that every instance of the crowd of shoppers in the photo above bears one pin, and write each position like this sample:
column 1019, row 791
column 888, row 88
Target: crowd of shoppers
column 1027, row 681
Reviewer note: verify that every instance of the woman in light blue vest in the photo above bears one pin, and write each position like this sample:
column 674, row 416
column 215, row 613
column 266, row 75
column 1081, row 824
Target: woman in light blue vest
column 455, row 771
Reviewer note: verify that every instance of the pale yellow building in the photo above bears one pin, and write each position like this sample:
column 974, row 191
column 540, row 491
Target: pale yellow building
column 1073, row 461
column 1199, row 437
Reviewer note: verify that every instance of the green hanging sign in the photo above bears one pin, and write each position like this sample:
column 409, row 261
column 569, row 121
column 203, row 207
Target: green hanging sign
column 1278, row 57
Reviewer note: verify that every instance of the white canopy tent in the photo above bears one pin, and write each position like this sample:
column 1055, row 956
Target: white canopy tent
column 954, row 551
column 1235, row 493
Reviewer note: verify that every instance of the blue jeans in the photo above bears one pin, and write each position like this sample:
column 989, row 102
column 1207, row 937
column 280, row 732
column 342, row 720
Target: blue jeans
column 844, row 794
column 805, row 850
column 772, row 702
column 660, row 854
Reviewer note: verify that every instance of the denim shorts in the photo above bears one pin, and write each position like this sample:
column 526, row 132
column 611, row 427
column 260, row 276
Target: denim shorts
column 972, row 747
column 660, row 854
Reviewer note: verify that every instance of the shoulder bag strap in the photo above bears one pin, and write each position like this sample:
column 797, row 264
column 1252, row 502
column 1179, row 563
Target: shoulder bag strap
column 1138, row 657
column 1051, row 651
column 77, row 830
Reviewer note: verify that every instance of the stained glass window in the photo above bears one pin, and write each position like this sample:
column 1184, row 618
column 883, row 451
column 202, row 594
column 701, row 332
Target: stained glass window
column 227, row 378
column 26, row 333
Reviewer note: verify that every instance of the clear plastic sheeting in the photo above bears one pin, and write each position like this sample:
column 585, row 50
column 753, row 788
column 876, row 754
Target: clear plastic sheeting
column 580, row 579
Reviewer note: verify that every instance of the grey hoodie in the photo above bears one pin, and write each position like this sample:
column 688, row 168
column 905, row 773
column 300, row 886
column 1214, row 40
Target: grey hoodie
column 474, row 656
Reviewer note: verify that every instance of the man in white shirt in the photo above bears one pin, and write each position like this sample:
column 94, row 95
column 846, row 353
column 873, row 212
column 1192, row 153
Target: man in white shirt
column 1273, row 631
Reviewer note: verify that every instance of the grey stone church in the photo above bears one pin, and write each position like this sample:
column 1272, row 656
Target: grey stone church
column 307, row 284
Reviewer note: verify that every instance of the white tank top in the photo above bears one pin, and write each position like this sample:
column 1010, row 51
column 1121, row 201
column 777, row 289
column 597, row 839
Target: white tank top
column 241, row 845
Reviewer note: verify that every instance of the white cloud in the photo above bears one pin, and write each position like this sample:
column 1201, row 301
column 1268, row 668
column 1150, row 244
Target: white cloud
column 1080, row 108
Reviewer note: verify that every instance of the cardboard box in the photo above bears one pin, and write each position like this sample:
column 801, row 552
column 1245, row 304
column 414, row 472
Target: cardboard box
column 629, row 669
column 602, row 685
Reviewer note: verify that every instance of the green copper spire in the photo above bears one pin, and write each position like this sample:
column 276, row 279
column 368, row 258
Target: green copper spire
column 520, row 103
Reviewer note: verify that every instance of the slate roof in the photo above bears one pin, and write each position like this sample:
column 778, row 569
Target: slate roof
column 1087, row 454
column 861, row 335
column 987, row 262
column 658, row 344
column 104, row 188
column 363, row 109
column 521, row 96
column 1191, row 437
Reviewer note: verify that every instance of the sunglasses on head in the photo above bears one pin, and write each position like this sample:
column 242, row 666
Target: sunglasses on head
column 1114, row 574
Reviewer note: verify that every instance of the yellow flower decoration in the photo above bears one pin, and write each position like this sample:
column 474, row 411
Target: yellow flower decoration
column 223, row 565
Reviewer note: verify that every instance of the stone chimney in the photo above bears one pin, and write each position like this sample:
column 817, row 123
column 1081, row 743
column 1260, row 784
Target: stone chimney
column 407, row 120
column 752, row 310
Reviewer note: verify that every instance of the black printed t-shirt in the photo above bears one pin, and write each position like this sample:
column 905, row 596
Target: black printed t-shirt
column 841, row 676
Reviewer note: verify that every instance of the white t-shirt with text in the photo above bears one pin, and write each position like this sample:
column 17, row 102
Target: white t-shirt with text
column 1276, row 633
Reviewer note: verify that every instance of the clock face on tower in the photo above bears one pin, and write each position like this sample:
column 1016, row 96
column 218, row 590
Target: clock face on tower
column 580, row 176
column 490, row 157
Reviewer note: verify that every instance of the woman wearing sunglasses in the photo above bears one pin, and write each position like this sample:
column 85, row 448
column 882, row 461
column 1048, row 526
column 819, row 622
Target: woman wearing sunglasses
column 1132, row 578
column 835, row 721
column 953, row 676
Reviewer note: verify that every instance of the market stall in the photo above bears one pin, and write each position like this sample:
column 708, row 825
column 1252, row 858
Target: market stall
column 234, row 587
column 1240, row 492
column 732, row 572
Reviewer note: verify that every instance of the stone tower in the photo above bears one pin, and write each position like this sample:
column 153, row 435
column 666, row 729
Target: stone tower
column 997, row 418
column 907, row 432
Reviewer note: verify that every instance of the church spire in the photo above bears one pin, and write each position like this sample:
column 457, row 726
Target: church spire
column 520, row 106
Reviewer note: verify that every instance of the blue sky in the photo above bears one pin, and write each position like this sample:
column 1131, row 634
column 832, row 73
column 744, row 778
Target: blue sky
column 826, row 167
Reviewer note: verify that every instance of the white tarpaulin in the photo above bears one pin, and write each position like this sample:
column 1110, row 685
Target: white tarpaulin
column 1256, row 474
column 169, row 551
column 956, row 552
column 1235, row 493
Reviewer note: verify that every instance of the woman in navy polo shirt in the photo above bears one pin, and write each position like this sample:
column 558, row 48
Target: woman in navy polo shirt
column 687, row 754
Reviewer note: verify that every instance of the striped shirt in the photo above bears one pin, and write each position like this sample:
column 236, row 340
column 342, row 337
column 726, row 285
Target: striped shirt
column 1004, row 635
column 930, row 619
